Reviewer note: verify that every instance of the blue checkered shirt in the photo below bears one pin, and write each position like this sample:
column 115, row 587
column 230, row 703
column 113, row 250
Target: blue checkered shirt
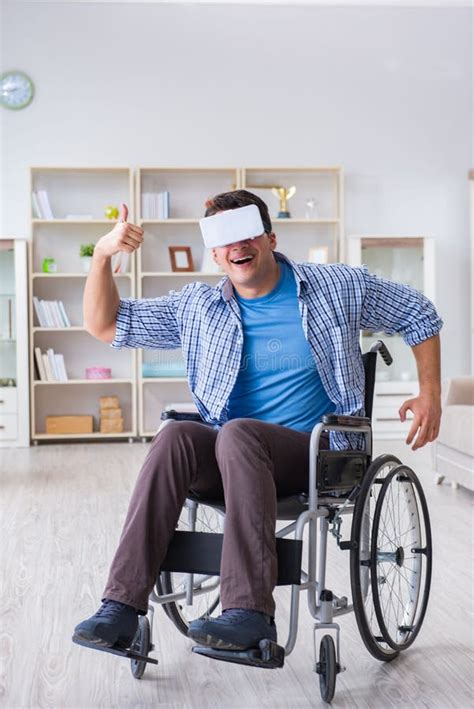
column 335, row 302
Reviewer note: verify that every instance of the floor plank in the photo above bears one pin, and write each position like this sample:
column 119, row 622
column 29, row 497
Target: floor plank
column 61, row 510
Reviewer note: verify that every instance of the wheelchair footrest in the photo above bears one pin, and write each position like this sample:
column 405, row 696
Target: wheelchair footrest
column 267, row 655
column 114, row 650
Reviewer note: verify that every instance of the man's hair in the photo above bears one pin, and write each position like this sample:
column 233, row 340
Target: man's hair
column 236, row 199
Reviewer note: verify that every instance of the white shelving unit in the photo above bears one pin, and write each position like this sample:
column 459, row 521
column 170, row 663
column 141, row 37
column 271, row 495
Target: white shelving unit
column 14, row 390
column 189, row 188
column 76, row 191
column 71, row 191
column 409, row 260
column 321, row 225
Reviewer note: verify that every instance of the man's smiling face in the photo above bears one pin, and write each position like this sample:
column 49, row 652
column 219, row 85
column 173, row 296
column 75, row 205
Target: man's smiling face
column 248, row 263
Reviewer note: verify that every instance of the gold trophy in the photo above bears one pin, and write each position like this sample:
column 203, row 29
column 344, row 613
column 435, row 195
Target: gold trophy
column 284, row 195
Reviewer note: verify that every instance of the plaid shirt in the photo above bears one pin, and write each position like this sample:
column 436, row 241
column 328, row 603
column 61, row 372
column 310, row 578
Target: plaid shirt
column 335, row 302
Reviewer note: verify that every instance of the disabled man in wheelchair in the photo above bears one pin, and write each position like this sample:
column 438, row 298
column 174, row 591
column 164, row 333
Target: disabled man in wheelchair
column 269, row 351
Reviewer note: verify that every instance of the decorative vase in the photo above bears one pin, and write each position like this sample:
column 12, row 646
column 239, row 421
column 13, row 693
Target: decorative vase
column 86, row 263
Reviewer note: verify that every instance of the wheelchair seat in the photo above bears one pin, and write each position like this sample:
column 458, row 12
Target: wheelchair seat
column 289, row 507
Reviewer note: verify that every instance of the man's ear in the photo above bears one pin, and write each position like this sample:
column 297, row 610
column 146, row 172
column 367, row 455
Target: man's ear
column 214, row 255
column 273, row 240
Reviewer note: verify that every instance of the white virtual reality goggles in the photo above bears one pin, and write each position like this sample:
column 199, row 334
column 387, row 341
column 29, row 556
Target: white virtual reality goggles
column 232, row 225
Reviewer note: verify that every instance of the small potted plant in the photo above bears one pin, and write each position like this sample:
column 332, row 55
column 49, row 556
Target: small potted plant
column 86, row 252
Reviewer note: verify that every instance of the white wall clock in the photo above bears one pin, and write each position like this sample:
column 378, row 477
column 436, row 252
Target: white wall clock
column 16, row 89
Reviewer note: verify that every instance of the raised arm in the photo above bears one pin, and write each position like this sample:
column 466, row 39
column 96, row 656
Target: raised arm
column 101, row 297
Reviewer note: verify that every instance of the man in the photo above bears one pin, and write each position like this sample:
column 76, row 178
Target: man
column 269, row 350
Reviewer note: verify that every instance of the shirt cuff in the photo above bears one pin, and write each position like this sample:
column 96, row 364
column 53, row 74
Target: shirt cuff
column 422, row 332
column 122, row 325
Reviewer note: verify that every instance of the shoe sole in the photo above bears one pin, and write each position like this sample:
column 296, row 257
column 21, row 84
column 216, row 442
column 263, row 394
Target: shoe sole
column 219, row 644
column 100, row 642
column 214, row 642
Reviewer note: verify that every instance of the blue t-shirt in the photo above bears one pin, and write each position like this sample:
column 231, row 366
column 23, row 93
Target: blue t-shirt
column 278, row 380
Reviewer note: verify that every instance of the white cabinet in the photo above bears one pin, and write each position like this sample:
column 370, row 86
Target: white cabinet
column 471, row 197
column 14, row 399
column 409, row 260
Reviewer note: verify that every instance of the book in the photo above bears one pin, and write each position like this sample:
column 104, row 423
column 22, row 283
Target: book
column 163, row 205
column 45, row 304
column 40, row 365
column 79, row 217
column 52, row 364
column 155, row 205
column 44, row 203
column 65, row 318
column 38, row 214
column 57, row 314
column 47, row 367
column 40, row 313
column 61, row 367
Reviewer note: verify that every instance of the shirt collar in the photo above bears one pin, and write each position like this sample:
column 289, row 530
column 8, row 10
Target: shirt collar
column 226, row 290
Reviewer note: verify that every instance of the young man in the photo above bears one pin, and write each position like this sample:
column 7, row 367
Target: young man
column 269, row 350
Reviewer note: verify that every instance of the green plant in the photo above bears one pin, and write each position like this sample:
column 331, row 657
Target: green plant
column 87, row 249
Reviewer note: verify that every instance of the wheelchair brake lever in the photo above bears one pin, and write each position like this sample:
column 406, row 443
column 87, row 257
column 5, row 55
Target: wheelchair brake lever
column 337, row 519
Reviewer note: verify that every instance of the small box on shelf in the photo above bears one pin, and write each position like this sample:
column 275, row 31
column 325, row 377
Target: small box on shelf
column 111, row 413
column 69, row 424
column 108, row 425
column 109, row 402
column 111, row 420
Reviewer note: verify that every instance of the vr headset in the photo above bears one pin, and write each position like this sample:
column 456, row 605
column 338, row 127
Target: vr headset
column 232, row 225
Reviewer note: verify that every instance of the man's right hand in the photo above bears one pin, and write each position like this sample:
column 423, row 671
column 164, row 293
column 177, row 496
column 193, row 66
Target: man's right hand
column 123, row 237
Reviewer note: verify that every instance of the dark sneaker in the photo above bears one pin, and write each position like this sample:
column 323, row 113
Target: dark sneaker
column 114, row 624
column 235, row 629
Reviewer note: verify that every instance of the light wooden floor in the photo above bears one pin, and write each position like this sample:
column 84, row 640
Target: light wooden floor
column 62, row 508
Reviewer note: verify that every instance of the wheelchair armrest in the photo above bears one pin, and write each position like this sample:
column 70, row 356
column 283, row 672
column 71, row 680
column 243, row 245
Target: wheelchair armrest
column 180, row 415
column 352, row 421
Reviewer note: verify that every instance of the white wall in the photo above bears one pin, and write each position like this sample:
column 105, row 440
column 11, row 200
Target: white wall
column 385, row 92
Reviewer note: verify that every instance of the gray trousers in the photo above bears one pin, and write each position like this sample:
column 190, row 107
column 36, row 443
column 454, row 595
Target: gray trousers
column 247, row 463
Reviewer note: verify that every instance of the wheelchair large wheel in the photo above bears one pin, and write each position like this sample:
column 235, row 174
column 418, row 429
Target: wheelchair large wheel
column 401, row 557
column 360, row 558
column 208, row 519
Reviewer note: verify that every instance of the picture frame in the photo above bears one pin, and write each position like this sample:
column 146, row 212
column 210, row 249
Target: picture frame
column 181, row 258
column 318, row 254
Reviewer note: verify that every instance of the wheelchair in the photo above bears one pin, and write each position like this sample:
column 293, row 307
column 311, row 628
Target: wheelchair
column 389, row 548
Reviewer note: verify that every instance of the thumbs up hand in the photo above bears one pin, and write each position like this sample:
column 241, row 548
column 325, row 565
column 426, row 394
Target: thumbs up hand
column 123, row 212
column 123, row 237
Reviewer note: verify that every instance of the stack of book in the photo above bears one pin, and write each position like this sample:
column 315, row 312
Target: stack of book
column 51, row 313
column 111, row 420
column 50, row 366
column 41, row 206
column 155, row 205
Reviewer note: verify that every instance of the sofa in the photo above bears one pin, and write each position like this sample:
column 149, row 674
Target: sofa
column 454, row 448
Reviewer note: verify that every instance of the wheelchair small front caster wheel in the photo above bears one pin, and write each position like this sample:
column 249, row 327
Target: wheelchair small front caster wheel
column 141, row 645
column 327, row 668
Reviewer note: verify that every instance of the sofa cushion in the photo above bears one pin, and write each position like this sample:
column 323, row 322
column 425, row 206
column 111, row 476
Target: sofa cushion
column 457, row 428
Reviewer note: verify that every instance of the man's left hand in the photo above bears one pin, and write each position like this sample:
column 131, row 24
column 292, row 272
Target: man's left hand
column 426, row 409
